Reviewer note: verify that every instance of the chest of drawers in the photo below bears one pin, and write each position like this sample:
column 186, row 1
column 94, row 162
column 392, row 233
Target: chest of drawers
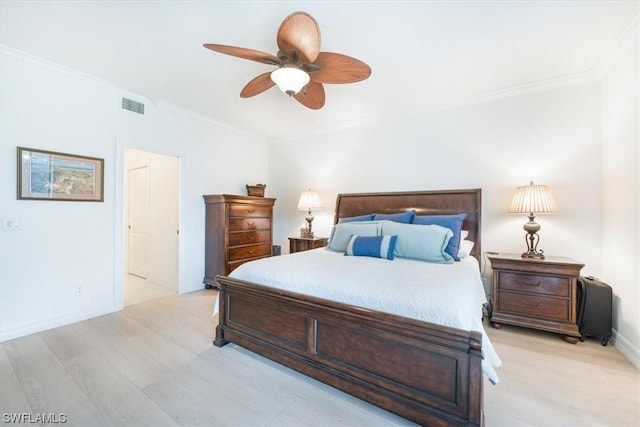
column 535, row 293
column 237, row 229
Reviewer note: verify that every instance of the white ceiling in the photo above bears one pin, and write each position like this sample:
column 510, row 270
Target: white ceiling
column 424, row 55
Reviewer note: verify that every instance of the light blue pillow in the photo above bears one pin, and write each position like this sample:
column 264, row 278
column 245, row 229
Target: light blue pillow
column 421, row 242
column 372, row 246
column 367, row 217
column 452, row 222
column 403, row 217
column 341, row 233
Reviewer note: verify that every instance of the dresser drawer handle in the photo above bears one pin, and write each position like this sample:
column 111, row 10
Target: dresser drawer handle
column 526, row 304
column 250, row 252
column 251, row 210
column 533, row 284
column 251, row 223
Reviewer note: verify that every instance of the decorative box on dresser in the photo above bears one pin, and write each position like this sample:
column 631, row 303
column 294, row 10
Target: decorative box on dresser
column 536, row 293
column 299, row 244
column 237, row 229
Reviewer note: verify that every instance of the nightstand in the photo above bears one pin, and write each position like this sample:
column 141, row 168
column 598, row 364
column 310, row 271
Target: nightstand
column 536, row 293
column 299, row 244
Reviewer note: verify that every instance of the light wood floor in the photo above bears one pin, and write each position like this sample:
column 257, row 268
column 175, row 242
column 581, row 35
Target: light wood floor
column 137, row 290
column 153, row 364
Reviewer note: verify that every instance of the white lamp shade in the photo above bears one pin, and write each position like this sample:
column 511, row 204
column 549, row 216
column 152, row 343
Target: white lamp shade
column 309, row 200
column 290, row 80
column 533, row 199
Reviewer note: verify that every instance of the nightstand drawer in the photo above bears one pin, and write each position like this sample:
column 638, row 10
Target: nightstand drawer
column 239, row 224
column 251, row 251
column 535, row 284
column 248, row 210
column 534, row 305
column 248, row 237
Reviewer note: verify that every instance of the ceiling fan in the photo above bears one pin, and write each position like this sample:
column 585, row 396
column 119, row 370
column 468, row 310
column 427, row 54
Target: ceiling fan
column 302, row 68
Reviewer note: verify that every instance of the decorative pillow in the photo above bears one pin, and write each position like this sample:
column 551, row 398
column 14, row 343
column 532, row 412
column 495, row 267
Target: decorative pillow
column 421, row 242
column 372, row 246
column 465, row 248
column 341, row 233
column 452, row 222
column 463, row 235
column 402, row 217
column 367, row 217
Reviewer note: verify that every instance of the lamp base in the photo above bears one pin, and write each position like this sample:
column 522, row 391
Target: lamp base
column 306, row 234
column 533, row 254
column 532, row 239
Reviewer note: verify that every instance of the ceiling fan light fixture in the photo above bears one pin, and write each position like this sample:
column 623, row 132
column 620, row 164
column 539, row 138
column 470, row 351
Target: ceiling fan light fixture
column 290, row 79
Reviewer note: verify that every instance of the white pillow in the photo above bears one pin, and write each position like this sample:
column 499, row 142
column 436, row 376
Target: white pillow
column 465, row 248
column 341, row 233
column 419, row 241
column 463, row 234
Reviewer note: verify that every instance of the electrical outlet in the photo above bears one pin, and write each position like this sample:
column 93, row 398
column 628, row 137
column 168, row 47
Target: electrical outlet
column 79, row 290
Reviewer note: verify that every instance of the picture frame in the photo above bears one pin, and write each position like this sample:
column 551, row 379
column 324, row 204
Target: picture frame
column 50, row 175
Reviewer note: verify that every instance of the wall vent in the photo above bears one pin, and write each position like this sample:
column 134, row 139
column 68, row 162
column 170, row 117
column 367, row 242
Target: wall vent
column 131, row 105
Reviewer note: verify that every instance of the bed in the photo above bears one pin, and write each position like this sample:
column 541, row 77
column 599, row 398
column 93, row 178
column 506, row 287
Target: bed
column 427, row 372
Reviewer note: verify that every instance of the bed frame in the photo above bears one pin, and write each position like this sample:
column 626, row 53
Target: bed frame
column 427, row 373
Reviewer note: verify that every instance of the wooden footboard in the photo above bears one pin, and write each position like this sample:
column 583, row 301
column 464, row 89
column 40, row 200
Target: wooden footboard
column 427, row 373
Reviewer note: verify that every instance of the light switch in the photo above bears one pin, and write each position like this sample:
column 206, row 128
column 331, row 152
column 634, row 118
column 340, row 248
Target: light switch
column 11, row 224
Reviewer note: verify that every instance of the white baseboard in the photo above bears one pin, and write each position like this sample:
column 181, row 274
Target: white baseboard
column 626, row 348
column 53, row 322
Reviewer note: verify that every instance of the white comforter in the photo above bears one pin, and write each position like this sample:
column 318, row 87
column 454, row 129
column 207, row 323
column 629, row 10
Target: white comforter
column 445, row 294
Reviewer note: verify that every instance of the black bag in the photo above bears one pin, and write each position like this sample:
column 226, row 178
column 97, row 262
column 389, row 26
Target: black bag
column 594, row 309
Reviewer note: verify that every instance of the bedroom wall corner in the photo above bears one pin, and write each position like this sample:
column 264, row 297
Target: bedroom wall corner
column 621, row 197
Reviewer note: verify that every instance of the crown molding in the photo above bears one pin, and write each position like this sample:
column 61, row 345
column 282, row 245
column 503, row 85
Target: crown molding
column 201, row 117
column 627, row 40
column 583, row 77
column 7, row 52
column 325, row 129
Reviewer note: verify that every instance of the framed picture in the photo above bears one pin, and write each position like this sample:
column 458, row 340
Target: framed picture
column 47, row 175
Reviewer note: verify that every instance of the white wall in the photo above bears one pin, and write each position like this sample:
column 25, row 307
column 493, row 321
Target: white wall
column 64, row 244
column 621, row 193
column 550, row 137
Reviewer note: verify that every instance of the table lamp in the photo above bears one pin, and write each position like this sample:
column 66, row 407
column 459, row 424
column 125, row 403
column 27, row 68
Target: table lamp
column 309, row 200
column 533, row 199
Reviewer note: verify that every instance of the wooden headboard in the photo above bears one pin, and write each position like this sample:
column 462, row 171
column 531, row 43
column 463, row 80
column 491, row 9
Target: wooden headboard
column 439, row 202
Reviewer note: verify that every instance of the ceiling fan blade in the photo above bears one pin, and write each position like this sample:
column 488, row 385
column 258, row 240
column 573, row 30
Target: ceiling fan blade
column 241, row 52
column 338, row 68
column 257, row 85
column 300, row 32
column 311, row 96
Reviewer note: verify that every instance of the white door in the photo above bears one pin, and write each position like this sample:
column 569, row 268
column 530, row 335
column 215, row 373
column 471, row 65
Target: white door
column 164, row 219
column 138, row 221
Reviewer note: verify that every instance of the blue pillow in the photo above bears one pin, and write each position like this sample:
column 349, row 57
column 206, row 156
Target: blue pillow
column 420, row 242
column 403, row 217
column 452, row 222
column 367, row 217
column 372, row 246
column 341, row 233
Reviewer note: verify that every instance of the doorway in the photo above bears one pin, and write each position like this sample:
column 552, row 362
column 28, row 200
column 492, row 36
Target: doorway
column 152, row 225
